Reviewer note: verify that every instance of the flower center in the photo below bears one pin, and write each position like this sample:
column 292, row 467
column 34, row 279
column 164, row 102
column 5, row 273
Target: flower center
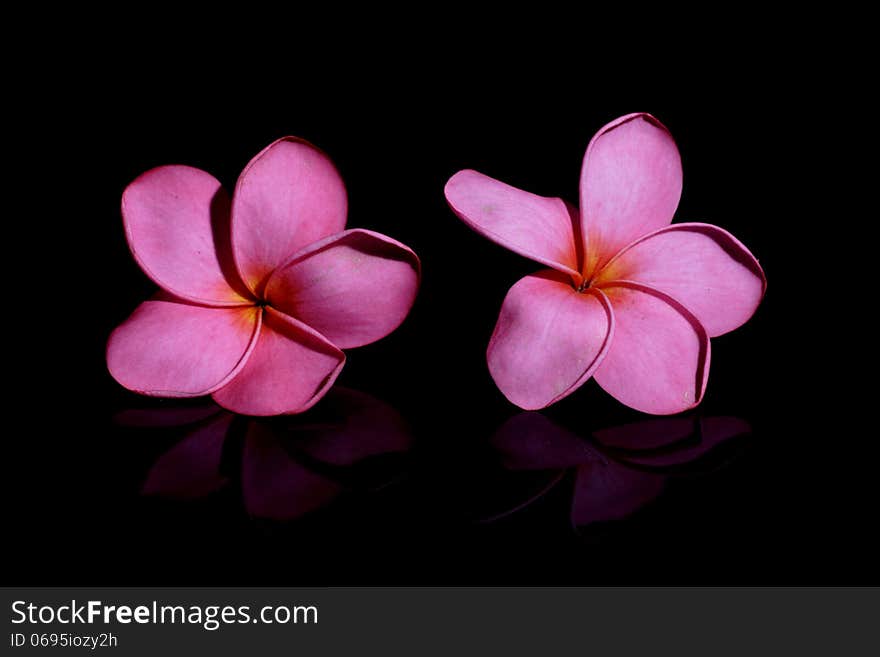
column 583, row 286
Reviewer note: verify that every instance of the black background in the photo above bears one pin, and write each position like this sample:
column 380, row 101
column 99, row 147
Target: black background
column 791, row 506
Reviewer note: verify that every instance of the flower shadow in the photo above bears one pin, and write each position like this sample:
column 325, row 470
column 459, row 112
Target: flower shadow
column 286, row 467
column 616, row 470
column 221, row 233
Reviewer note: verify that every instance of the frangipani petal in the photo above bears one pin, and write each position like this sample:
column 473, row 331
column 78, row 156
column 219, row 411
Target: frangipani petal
column 287, row 197
column 702, row 266
column 535, row 226
column 548, row 340
column 168, row 349
column 354, row 287
column 658, row 361
column 290, row 369
column 630, row 185
column 177, row 224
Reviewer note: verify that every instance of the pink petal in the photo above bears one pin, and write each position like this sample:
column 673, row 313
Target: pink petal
column 169, row 349
column 606, row 491
column 630, row 185
column 548, row 340
column 354, row 287
column 658, row 361
column 276, row 487
column 287, row 197
column 177, row 224
column 290, row 369
column 703, row 267
column 535, row 226
column 191, row 469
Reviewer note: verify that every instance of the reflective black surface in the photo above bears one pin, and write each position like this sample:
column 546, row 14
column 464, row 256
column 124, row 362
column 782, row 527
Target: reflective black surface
column 450, row 490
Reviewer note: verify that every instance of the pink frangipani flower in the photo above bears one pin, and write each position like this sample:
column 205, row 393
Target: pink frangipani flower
column 629, row 299
column 260, row 294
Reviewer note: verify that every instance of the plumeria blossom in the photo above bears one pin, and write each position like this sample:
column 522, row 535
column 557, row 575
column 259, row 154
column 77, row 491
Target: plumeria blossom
column 628, row 298
column 260, row 293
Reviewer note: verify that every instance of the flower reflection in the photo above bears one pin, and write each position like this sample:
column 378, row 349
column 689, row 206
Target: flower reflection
column 616, row 470
column 191, row 469
column 286, row 466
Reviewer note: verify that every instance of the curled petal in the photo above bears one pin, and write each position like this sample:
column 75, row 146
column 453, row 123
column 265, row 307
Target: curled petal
column 702, row 266
column 354, row 287
column 630, row 185
column 290, row 369
column 168, row 349
column 548, row 340
column 658, row 361
column 177, row 225
column 535, row 226
column 287, row 197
